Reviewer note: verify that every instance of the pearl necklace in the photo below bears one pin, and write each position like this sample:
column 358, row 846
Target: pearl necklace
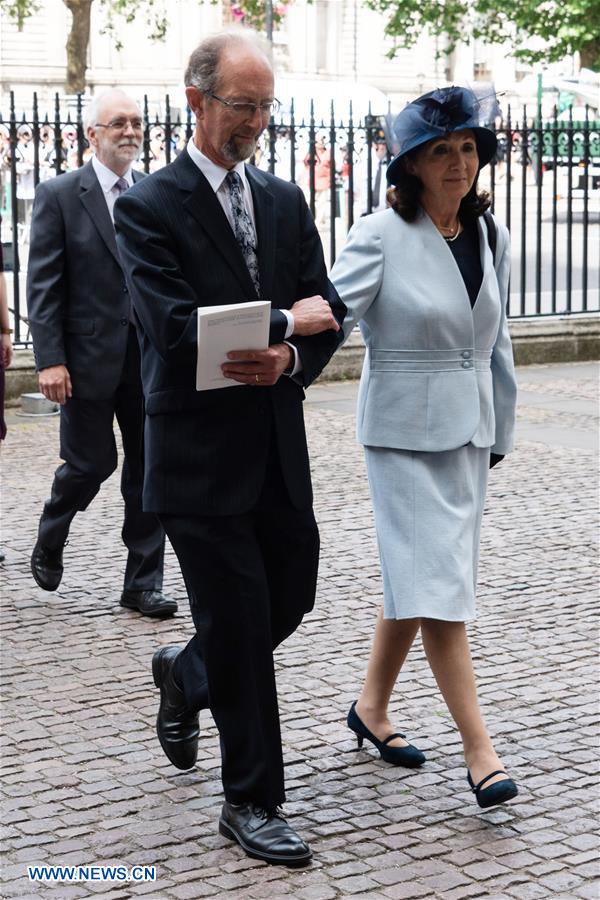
column 454, row 232
column 453, row 237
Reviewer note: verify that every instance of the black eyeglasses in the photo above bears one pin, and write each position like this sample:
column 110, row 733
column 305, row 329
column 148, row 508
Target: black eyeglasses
column 121, row 124
column 247, row 110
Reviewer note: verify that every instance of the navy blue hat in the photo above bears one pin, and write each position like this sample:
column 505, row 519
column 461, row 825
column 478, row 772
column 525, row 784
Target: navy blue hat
column 439, row 112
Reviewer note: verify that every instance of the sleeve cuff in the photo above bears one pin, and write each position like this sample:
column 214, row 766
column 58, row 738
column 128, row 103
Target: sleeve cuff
column 297, row 367
column 290, row 323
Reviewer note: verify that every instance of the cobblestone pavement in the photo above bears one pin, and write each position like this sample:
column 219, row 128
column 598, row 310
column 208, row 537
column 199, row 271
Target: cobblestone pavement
column 85, row 781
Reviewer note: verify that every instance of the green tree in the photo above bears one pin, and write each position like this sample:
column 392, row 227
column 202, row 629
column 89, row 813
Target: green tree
column 560, row 27
column 254, row 12
column 78, row 38
column 250, row 12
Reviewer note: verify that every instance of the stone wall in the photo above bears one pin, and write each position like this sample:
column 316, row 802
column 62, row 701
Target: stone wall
column 544, row 340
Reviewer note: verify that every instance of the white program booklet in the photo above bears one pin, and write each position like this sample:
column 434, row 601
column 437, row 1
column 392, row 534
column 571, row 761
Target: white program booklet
column 232, row 326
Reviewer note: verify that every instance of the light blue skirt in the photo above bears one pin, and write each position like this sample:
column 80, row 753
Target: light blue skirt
column 428, row 509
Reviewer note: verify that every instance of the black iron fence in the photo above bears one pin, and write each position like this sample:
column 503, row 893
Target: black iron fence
column 544, row 183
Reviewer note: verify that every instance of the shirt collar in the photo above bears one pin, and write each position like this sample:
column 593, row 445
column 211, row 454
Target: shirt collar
column 107, row 177
column 214, row 174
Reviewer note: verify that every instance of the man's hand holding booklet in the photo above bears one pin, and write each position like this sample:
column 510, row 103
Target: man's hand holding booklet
column 222, row 329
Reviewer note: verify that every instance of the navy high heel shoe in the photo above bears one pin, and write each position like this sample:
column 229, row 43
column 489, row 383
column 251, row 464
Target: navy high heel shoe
column 498, row 792
column 398, row 756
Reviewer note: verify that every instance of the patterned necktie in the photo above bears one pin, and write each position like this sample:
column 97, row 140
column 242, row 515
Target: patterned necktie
column 242, row 226
column 118, row 188
column 121, row 185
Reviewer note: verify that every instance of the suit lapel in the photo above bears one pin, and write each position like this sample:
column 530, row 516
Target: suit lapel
column 201, row 202
column 93, row 200
column 264, row 215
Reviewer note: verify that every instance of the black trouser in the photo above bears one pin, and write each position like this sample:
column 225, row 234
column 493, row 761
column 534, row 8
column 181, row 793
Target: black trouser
column 250, row 579
column 87, row 444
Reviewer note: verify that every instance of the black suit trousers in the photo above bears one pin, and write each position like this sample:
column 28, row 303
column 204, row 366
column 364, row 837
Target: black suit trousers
column 87, row 445
column 250, row 579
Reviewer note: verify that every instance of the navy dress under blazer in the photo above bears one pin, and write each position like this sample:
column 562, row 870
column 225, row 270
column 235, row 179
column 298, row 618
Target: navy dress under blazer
column 437, row 395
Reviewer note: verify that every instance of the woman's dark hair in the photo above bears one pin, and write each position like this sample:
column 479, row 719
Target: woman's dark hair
column 405, row 196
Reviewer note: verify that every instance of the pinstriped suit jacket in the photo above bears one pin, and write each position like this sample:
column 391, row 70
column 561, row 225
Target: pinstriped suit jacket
column 206, row 451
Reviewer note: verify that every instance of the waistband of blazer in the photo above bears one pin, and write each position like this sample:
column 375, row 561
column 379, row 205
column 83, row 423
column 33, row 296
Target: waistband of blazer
column 463, row 358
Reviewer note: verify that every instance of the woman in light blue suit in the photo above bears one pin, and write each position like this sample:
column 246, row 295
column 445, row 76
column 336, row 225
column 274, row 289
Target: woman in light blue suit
column 436, row 409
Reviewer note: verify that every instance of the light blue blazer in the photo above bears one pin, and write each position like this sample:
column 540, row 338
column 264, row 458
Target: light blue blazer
column 437, row 374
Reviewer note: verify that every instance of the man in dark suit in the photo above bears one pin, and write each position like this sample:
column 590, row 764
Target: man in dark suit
column 87, row 353
column 227, row 470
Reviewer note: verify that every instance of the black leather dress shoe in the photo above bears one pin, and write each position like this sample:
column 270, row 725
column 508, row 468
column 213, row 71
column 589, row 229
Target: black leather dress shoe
column 149, row 603
column 177, row 726
column 263, row 834
column 47, row 566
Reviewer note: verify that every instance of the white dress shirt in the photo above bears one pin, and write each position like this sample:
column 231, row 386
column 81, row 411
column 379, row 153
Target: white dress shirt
column 108, row 180
column 215, row 175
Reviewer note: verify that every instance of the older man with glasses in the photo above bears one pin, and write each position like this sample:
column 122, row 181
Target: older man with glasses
column 87, row 354
column 227, row 470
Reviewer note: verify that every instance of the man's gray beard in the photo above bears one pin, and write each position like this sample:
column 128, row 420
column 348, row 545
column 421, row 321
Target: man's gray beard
column 235, row 152
column 124, row 151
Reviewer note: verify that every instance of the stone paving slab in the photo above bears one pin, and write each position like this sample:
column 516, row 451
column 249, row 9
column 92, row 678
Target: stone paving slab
column 84, row 780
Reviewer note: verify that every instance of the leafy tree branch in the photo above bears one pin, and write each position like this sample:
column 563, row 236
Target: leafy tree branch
column 545, row 31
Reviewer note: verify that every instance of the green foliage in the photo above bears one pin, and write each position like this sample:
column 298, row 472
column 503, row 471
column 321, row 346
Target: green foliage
column 154, row 12
column 254, row 12
column 250, row 12
column 19, row 10
column 560, row 27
